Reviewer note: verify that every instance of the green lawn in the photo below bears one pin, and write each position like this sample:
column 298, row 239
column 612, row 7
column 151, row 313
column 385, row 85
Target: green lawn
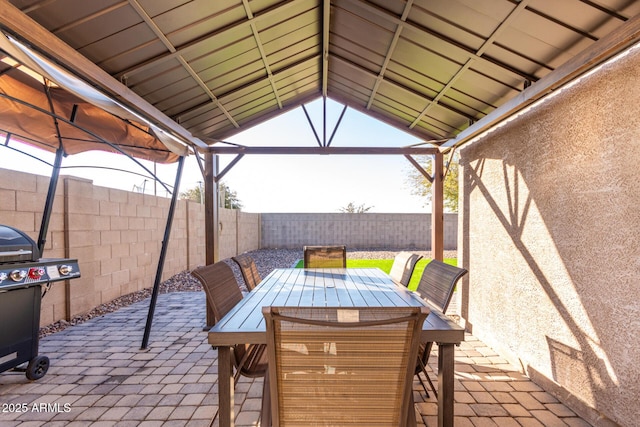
column 385, row 265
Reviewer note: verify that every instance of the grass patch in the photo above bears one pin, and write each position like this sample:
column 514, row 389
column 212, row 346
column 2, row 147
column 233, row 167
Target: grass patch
column 385, row 265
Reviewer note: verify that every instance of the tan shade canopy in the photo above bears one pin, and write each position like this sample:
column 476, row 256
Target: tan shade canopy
column 46, row 106
column 24, row 112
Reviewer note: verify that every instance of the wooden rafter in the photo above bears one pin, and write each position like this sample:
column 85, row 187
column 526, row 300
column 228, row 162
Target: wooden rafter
column 263, row 55
column 602, row 50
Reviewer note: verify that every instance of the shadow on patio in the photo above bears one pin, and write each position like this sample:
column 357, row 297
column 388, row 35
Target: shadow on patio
column 99, row 377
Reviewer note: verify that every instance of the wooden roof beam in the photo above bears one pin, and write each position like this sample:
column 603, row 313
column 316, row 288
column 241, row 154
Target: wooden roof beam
column 183, row 62
column 392, row 48
column 515, row 12
column 263, row 54
column 281, row 150
column 599, row 52
column 326, row 17
column 455, row 46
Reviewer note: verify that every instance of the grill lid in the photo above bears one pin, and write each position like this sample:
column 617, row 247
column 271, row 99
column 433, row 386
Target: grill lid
column 16, row 246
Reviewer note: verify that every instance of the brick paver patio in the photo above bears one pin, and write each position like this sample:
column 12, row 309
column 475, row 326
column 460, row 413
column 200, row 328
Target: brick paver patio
column 100, row 377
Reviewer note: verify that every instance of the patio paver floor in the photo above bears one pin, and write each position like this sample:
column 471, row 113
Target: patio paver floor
column 100, row 377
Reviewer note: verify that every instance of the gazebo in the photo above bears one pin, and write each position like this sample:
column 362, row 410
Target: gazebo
column 483, row 78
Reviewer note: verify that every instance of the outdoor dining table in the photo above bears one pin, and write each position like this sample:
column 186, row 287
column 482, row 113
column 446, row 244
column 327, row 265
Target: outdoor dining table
column 328, row 287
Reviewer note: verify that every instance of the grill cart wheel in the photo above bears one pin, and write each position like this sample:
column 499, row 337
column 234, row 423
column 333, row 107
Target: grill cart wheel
column 37, row 367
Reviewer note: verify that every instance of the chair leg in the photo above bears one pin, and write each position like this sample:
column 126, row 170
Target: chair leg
column 254, row 353
column 433, row 387
column 424, row 386
column 265, row 411
column 411, row 413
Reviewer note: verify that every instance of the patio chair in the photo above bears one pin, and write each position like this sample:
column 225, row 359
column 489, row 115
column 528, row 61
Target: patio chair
column 325, row 256
column 223, row 293
column 338, row 367
column 436, row 287
column 248, row 269
column 403, row 265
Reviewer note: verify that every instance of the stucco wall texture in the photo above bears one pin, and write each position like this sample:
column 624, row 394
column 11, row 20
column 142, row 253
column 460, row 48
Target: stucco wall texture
column 549, row 230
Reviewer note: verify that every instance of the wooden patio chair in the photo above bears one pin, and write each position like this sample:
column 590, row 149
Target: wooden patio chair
column 436, row 287
column 223, row 293
column 248, row 269
column 403, row 265
column 339, row 366
column 325, row 256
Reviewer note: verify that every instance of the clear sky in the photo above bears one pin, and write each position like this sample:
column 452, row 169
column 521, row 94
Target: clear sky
column 274, row 183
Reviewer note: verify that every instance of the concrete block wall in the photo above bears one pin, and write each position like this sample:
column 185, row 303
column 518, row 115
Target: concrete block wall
column 195, row 224
column 22, row 198
column 239, row 232
column 366, row 230
column 248, row 237
column 228, row 229
column 116, row 236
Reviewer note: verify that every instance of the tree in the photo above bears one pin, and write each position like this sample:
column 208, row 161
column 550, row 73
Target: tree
column 231, row 200
column 352, row 208
column 422, row 187
column 195, row 194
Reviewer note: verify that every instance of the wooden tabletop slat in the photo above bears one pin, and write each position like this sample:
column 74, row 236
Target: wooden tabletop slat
column 339, row 287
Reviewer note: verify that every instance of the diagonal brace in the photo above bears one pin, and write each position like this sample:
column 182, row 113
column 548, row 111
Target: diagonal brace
column 418, row 166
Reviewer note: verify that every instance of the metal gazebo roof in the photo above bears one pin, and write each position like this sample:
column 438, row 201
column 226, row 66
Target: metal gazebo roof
column 431, row 68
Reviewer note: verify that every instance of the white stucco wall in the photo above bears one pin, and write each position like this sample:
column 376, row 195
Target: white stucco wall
column 550, row 232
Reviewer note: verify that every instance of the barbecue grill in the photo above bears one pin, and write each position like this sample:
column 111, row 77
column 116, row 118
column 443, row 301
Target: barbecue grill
column 22, row 275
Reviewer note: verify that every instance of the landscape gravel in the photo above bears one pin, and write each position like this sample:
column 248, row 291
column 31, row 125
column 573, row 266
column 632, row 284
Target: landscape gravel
column 265, row 259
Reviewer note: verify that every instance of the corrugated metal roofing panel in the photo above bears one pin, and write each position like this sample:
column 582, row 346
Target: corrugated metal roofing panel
column 428, row 66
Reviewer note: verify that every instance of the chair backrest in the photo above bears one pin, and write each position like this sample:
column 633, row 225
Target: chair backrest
column 325, row 256
column 438, row 282
column 248, row 269
column 223, row 293
column 342, row 366
column 403, row 265
column 220, row 286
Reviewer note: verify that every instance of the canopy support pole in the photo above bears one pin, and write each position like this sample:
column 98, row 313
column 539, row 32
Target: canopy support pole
column 55, row 174
column 163, row 255
column 48, row 204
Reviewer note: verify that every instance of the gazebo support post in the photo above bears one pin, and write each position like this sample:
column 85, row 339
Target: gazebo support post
column 437, row 208
column 211, row 218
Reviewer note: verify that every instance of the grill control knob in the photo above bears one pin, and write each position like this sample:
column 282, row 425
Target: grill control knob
column 3, row 276
column 36, row 273
column 18, row 275
column 65, row 270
